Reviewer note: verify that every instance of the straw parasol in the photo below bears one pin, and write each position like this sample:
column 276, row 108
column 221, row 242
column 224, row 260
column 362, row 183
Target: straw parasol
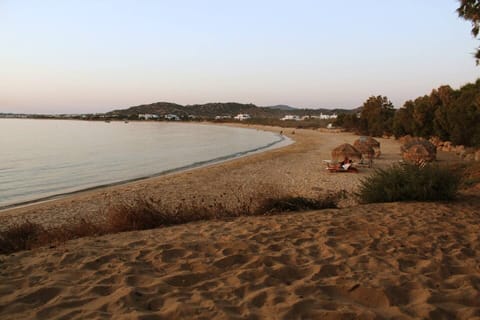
column 424, row 142
column 366, row 151
column 417, row 153
column 345, row 150
column 369, row 142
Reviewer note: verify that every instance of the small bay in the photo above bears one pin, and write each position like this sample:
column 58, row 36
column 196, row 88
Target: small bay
column 44, row 158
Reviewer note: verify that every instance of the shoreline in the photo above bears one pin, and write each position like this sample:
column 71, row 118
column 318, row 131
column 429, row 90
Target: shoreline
column 282, row 142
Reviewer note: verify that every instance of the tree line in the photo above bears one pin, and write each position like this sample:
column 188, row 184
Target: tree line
column 452, row 115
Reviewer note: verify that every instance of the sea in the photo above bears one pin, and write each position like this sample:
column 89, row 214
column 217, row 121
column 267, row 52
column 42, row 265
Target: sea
column 43, row 159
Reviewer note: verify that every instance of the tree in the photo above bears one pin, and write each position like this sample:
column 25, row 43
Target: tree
column 464, row 116
column 347, row 121
column 423, row 114
column 377, row 115
column 442, row 98
column 403, row 120
column 470, row 10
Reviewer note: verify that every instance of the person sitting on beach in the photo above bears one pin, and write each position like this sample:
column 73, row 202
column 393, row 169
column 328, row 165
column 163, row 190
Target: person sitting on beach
column 345, row 164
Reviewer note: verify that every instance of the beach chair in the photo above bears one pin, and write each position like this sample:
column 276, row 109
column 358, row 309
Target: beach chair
column 333, row 166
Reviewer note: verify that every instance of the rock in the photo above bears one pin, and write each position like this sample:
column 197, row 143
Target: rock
column 436, row 141
column 477, row 155
column 459, row 149
column 469, row 156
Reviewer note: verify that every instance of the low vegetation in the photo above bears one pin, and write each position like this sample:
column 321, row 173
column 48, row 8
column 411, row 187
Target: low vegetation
column 143, row 213
column 408, row 182
column 290, row 204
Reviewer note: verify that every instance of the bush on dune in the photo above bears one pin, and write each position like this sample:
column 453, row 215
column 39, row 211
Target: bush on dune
column 20, row 236
column 143, row 213
column 407, row 182
column 296, row 203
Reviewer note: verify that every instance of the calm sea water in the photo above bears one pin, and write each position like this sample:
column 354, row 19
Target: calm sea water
column 43, row 158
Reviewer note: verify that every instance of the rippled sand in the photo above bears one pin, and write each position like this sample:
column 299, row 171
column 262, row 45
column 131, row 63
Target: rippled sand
column 388, row 261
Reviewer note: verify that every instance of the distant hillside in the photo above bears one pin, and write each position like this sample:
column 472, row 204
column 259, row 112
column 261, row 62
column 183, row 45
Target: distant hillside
column 281, row 107
column 160, row 108
column 211, row 110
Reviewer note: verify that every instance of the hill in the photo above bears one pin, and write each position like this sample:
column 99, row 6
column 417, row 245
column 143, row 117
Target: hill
column 283, row 107
column 213, row 109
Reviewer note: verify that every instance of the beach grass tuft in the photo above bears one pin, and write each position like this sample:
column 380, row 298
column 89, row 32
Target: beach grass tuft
column 144, row 213
column 408, row 182
column 297, row 203
column 20, row 236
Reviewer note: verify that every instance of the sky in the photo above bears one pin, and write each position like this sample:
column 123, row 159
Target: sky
column 87, row 56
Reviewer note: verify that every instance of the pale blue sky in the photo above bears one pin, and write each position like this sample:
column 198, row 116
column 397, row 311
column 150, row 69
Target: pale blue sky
column 96, row 55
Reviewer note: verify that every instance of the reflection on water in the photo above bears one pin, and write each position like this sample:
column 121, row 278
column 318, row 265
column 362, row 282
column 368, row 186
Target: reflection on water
column 40, row 158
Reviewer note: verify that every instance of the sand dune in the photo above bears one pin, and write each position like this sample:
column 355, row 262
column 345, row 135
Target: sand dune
column 386, row 261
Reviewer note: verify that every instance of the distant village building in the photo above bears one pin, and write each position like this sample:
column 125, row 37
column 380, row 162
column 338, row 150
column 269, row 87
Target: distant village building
column 242, row 116
column 326, row 116
column 222, row 117
column 172, row 117
column 291, row 117
column 148, row 116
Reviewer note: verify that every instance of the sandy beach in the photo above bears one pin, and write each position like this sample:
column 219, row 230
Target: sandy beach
column 378, row 261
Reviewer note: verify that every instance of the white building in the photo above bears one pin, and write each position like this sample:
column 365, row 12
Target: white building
column 291, row 117
column 147, row 116
column 328, row 116
column 172, row 117
column 222, row 117
column 242, row 116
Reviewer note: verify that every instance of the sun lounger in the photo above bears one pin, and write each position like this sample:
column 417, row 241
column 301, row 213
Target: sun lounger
column 333, row 166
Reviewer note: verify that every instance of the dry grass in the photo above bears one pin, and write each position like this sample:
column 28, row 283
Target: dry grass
column 20, row 237
column 296, row 203
column 143, row 213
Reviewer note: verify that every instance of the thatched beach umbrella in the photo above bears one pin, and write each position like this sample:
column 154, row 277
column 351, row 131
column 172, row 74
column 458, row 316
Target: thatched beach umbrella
column 366, row 151
column 345, row 150
column 369, row 142
column 424, row 142
column 417, row 153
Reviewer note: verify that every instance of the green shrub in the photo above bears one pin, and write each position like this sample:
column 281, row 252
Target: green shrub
column 407, row 182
